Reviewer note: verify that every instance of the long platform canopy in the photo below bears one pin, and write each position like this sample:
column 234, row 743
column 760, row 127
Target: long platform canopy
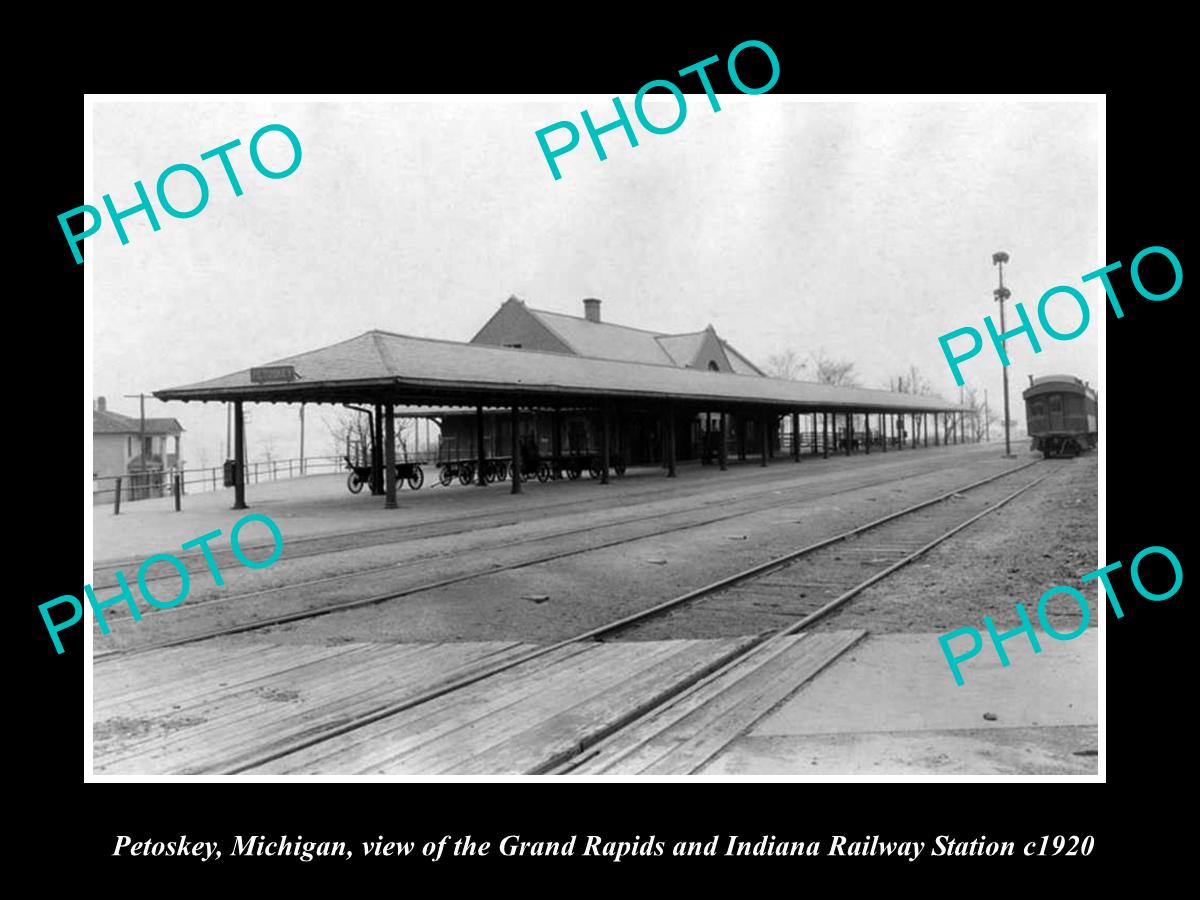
column 379, row 366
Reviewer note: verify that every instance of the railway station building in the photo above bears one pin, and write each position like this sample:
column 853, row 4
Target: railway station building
column 548, row 393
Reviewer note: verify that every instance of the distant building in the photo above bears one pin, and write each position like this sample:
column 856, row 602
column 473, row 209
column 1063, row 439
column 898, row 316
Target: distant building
column 522, row 327
column 122, row 446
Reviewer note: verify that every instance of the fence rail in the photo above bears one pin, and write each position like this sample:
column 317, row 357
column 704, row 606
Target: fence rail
column 145, row 485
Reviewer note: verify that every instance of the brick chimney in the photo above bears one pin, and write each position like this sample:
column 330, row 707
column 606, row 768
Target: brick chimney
column 591, row 310
column 100, row 405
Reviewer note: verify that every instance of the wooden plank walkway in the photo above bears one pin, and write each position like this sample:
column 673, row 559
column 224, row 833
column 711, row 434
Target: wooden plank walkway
column 202, row 708
column 692, row 729
column 220, row 705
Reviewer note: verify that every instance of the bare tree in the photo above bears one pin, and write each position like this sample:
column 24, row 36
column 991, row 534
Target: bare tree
column 838, row 372
column 785, row 365
column 827, row 370
column 351, row 435
column 981, row 417
column 911, row 383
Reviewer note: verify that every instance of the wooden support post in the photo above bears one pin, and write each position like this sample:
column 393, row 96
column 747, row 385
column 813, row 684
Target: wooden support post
column 239, row 456
column 604, row 444
column 117, row 498
column 669, row 440
column 867, row 431
column 178, row 490
column 925, row 429
column 377, row 452
column 883, row 430
column 723, row 451
column 556, row 442
column 764, row 440
column 849, row 432
column 741, row 429
column 480, row 452
column 796, row 436
column 389, row 457
column 825, row 433
column 516, row 449
column 936, row 431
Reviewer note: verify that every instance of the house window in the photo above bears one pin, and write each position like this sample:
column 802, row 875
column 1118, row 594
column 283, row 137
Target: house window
column 514, row 346
column 129, row 446
column 713, row 367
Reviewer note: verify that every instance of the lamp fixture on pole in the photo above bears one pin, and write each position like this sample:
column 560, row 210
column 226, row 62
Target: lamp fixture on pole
column 1002, row 293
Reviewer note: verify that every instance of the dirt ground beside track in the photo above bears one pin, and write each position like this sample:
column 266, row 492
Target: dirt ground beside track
column 1044, row 538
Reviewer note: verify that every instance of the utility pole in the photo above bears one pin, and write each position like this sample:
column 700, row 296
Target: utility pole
column 141, row 428
column 1002, row 293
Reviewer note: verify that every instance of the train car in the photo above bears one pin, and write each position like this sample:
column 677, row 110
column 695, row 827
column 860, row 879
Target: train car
column 1061, row 413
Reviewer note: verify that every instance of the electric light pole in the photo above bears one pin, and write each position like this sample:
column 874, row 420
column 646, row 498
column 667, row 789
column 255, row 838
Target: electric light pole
column 1002, row 293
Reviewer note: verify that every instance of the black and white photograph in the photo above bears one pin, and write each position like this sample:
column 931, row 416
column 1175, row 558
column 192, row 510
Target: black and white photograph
column 702, row 434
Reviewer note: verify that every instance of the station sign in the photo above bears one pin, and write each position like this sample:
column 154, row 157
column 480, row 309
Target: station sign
column 267, row 374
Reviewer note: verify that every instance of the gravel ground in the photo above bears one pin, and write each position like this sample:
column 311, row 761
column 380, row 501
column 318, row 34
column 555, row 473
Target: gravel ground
column 788, row 506
column 1046, row 537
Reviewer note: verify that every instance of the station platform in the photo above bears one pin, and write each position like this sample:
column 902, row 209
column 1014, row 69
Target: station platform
column 321, row 505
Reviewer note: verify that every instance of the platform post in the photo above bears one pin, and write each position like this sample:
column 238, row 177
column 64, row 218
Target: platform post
column 556, row 442
column 849, row 432
column 389, row 457
column 825, row 433
column 239, row 456
column 741, row 435
column 669, row 441
column 867, row 431
column 764, row 440
column 723, row 452
column 883, row 430
column 377, row 452
column 925, row 429
column 480, row 453
column 516, row 449
column 796, row 436
column 604, row 444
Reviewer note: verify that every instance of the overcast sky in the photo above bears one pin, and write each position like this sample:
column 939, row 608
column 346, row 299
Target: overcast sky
column 863, row 231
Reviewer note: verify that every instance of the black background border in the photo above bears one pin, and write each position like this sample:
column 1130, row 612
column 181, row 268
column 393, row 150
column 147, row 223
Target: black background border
column 1145, row 451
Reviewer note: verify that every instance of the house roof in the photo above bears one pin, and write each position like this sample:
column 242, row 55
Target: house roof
column 411, row 370
column 105, row 421
column 605, row 340
column 682, row 348
column 741, row 365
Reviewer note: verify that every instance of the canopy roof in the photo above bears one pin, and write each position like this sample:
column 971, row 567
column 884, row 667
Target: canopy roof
column 379, row 366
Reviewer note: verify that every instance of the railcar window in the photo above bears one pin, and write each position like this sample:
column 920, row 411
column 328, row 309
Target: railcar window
column 1055, row 403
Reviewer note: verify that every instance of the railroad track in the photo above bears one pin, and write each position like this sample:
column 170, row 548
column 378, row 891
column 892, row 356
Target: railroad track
column 743, row 508
column 103, row 574
column 931, row 521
